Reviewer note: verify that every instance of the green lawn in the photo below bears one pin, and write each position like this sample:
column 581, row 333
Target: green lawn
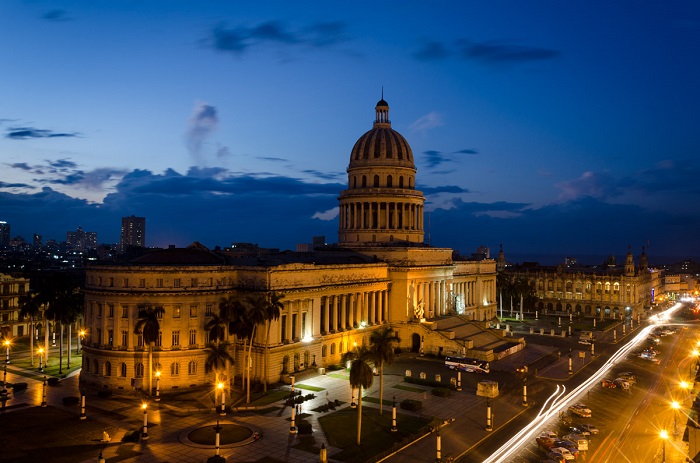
column 309, row 388
column 409, row 388
column 51, row 369
column 341, row 430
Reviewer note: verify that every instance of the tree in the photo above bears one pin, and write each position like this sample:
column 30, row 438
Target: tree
column 148, row 325
column 30, row 307
column 216, row 326
column 218, row 357
column 273, row 309
column 381, row 345
column 512, row 287
column 231, row 312
column 361, row 377
column 63, row 300
column 255, row 314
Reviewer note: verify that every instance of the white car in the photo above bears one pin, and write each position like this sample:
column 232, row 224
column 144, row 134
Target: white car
column 564, row 453
column 580, row 410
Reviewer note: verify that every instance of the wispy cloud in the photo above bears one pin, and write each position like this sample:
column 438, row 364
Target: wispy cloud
column 237, row 39
column 436, row 158
column 25, row 133
column 67, row 172
column 427, row 122
column 56, row 15
column 203, row 121
column 598, row 185
column 491, row 52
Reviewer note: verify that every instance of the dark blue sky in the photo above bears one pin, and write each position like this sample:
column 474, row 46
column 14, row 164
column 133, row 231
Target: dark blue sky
column 568, row 128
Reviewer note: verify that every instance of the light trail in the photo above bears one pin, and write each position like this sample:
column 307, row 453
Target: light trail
column 560, row 399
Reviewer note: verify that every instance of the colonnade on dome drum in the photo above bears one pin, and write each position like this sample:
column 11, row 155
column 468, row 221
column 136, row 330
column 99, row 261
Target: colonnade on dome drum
column 384, row 215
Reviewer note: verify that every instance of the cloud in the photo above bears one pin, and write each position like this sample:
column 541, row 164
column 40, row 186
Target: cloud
column 25, row 133
column 323, row 175
column 436, row 158
column 427, row 122
column 202, row 123
column 598, row 185
column 272, row 159
column 67, row 172
column 56, row 15
column 432, row 51
column 238, row 39
column 501, row 52
column 14, row 185
column 330, row 214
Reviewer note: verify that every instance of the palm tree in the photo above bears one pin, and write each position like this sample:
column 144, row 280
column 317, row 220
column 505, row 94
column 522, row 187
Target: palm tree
column 255, row 315
column 31, row 307
column 231, row 311
column 361, row 377
column 218, row 357
column 64, row 309
column 216, row 326
column 148, row 325
column 273, row 310
column 381, row 345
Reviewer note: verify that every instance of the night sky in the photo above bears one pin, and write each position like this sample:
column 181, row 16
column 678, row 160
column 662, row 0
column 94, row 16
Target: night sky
column 565, row 128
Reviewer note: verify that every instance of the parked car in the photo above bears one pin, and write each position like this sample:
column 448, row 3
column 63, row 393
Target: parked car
column 564, row 452
column 580, row 410
column 589, row 428
column 585, row 342
column 550, row 434
column 621, row 383
column 568, row 445
column 580, row 441
column 579, row 430
column 554, row 456
column 608, row 383
column 545, row 443
column 628, row 376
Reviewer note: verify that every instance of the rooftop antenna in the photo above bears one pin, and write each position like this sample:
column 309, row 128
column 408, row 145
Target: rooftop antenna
column 382, row 92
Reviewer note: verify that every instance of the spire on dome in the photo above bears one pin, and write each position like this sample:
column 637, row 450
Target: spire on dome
column 382, row 110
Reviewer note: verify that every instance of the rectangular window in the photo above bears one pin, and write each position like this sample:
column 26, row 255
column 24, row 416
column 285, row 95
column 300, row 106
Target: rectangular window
column 111, row 310
column 160, row 311
column 174, row 369
column 159, row 282
column 194, row 282
column 125, row 282
column 125, row 338
column 193, row 311
column 125, row 311
column 142, row 282
column 139, row 340
column 294, row 326
column 192, row 368
column 176, row 338
column 206, row 337
column 99, row 281
column 110, row 338
column 209, row 309
column 159, row 339
column 283, row 328
column 176, row 283
column 303, row 325
column 111, row 282
column 176, row 311
column 193, row 337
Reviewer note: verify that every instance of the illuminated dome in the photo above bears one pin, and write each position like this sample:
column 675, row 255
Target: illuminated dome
column 381, row 145
column 381, row 205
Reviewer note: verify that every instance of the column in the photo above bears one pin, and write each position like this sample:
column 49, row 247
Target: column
column 385, row 306
column 343, row 316
column 370, row 308
column 288, row 328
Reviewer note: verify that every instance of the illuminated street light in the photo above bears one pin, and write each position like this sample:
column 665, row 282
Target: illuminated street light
column 7, row 344
column 663, row 434
column 144, row 434
column 675, row 406
column 81, row 336
column 41, row 358
column 157, row 385
column 220, row 387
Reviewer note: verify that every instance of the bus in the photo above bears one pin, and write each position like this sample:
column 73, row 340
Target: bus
column 467, row 364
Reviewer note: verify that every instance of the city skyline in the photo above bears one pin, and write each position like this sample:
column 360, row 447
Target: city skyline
column 549, row 128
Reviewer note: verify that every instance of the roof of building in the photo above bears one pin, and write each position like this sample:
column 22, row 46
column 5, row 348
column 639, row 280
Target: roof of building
column 194, row 254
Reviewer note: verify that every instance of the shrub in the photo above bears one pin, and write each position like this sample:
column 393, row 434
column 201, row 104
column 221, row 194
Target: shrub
column 104, row 393
column 71, row 400
column 335, row 367
column 304, row 427
column 427, row 382
column 441, row 392
column 411, row 405
column 19, row 386
column 53, row 381
column 397, row 350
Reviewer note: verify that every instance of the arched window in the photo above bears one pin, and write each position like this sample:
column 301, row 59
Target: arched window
column 122, row 369
column 376, row 181
column 389, row 182
column 192, row 368
column 364, row 181
column 354, row 181
column 108, row 369
column 324, row 351
column 401, row 181
column 174, row 369
column 138, row 370
column 96, row 367
column 333, row 349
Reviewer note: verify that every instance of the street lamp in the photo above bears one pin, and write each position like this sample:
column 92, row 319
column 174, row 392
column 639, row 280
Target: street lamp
column 43, row 394
column 663, row 435
column 220, row 387
column 393, row 416
column 144, row 434
column 157, row 385
column 81, row 335
column 41, row 358
column 7, row 344
column 675, row 406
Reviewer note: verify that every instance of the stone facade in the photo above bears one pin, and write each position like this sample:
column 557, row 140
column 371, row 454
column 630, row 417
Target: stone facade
column 11, row 289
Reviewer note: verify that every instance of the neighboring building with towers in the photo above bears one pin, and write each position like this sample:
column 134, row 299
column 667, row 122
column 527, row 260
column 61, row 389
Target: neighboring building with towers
column 4, row 234
column 133, row 232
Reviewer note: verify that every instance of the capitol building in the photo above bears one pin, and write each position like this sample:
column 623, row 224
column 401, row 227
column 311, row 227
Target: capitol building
column 379, row 273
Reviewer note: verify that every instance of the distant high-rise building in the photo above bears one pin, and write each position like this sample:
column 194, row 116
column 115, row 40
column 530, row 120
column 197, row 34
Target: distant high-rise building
column 133, row 232
column 4, row 234
column 81, row 240
column 38, row 241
